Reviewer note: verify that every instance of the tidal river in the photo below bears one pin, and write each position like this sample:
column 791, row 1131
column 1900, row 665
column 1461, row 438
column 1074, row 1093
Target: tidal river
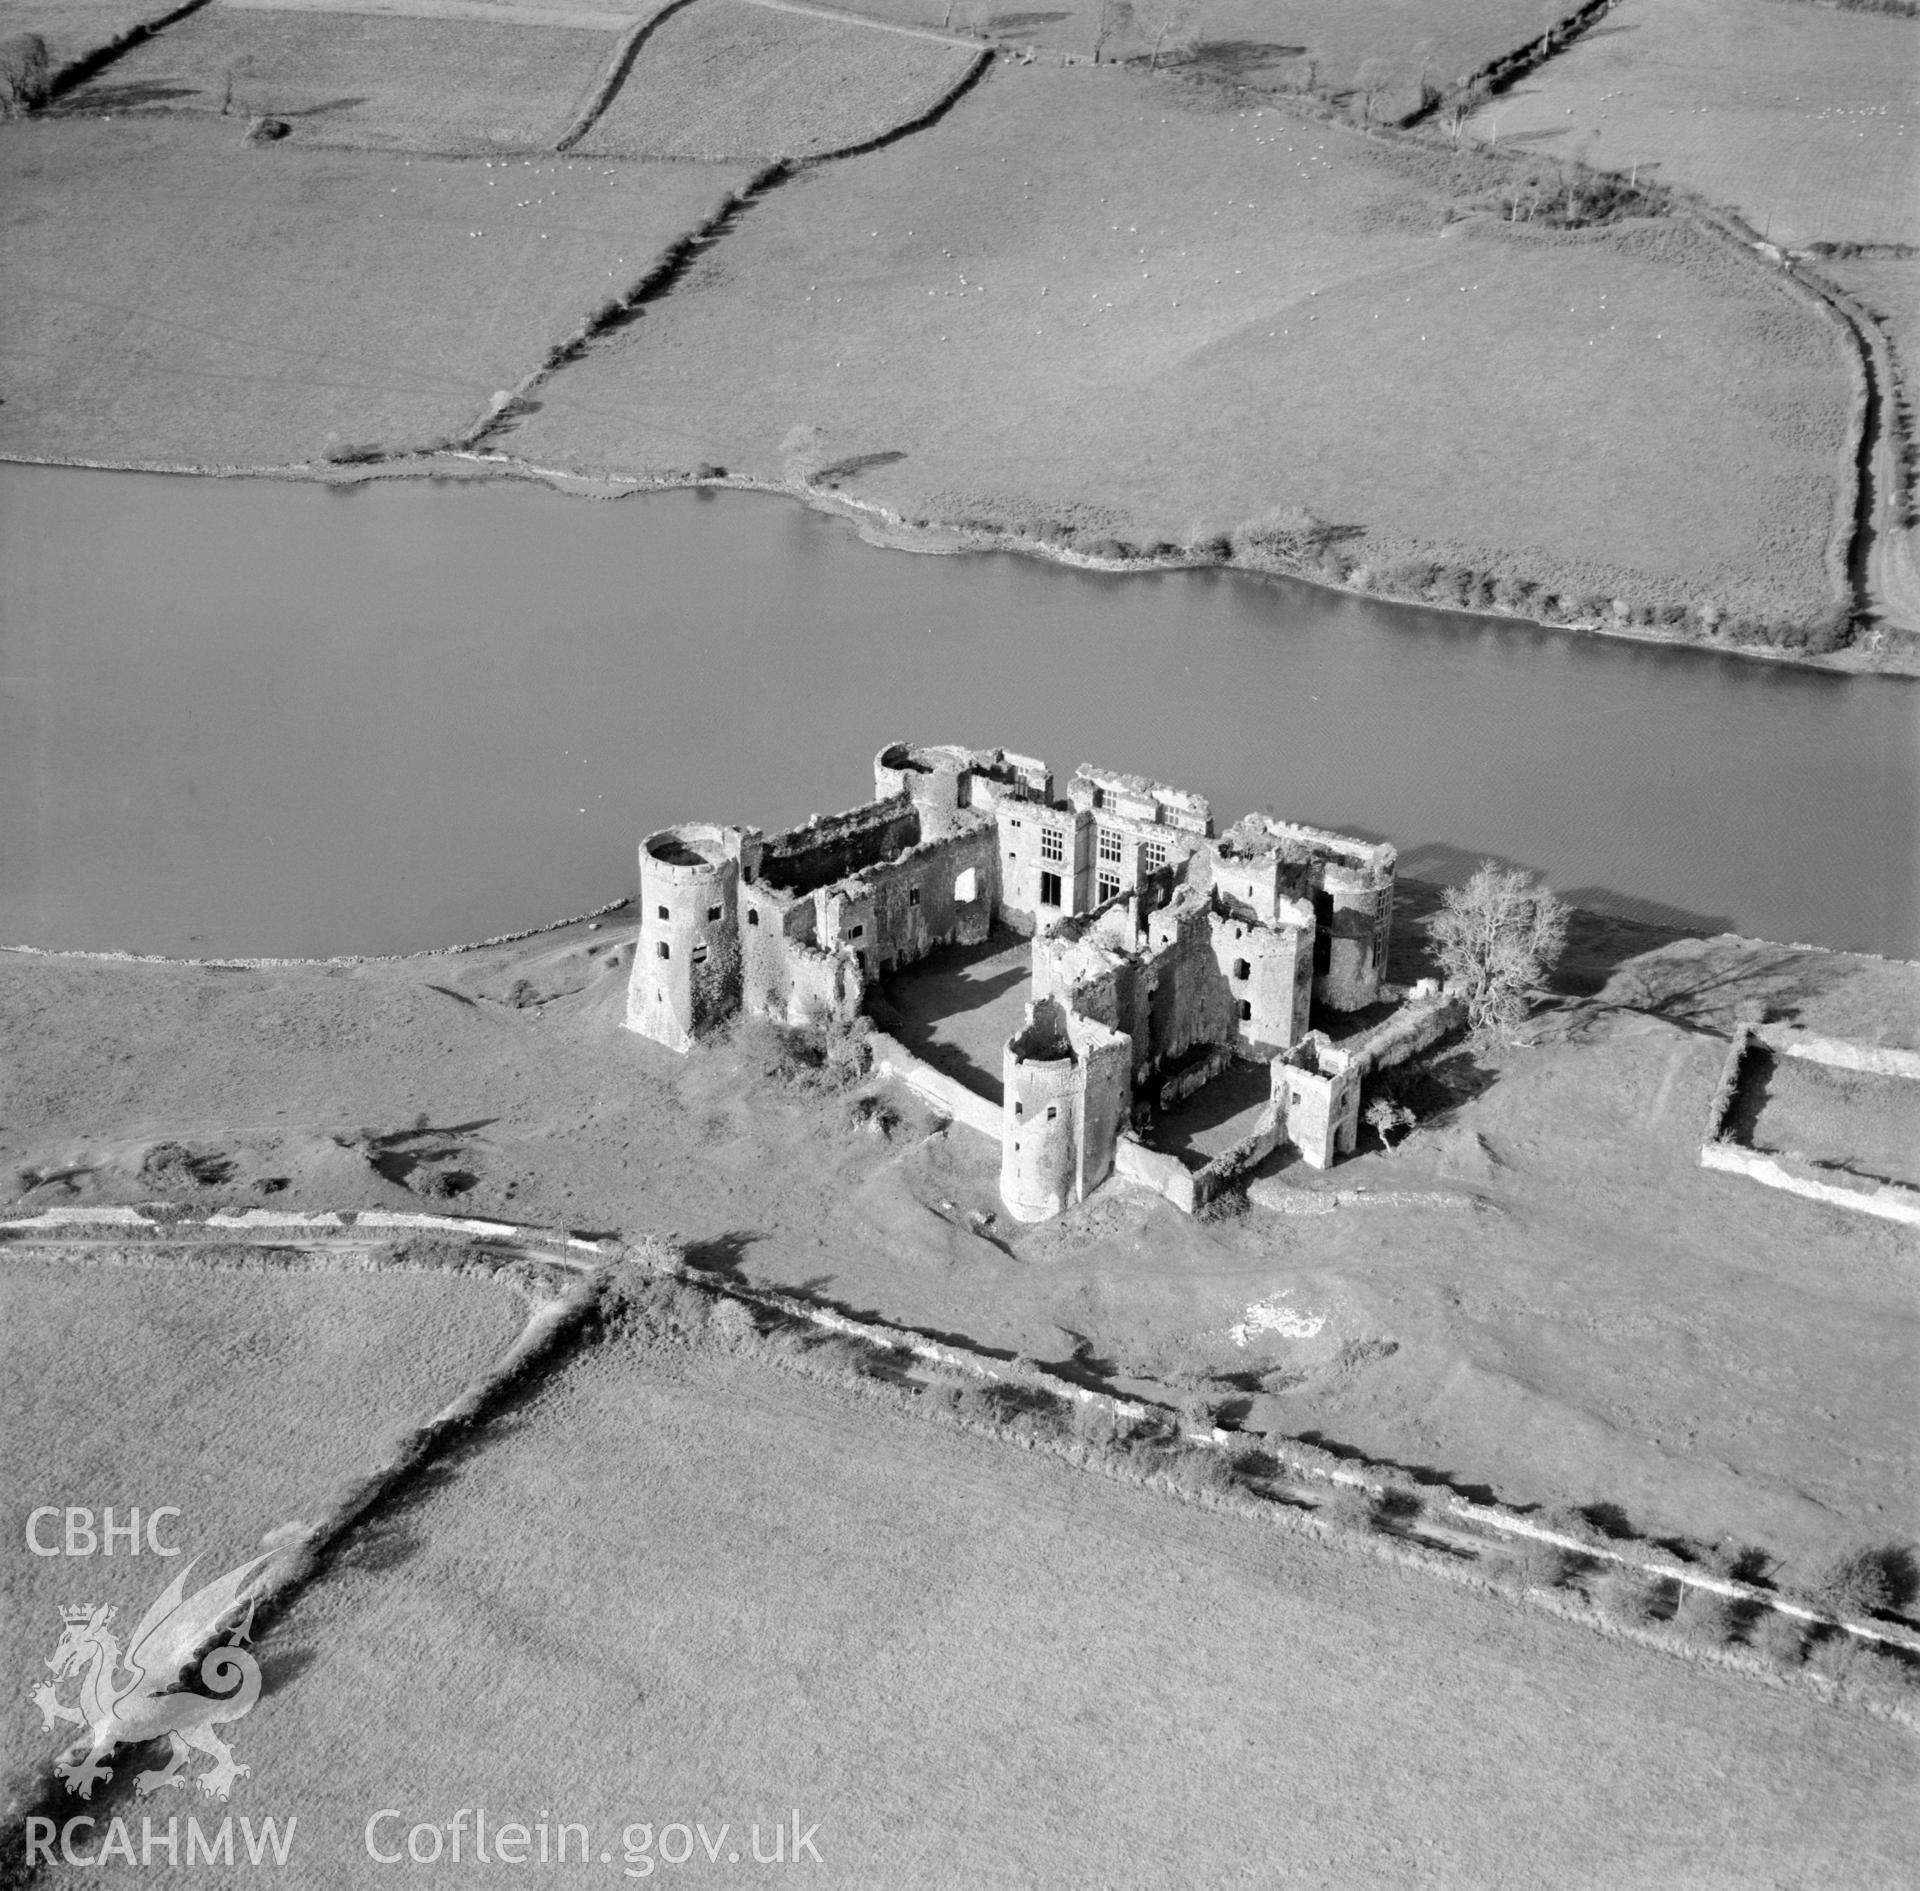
column 242, row 716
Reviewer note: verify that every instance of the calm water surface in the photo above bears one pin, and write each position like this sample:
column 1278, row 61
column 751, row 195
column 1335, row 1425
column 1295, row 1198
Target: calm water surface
column 252, row 717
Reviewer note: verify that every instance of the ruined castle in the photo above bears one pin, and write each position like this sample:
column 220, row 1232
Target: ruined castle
column 1161, row 951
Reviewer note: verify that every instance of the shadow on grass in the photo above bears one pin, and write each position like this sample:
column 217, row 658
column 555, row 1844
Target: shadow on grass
column 1235, row 58
column 723, row 1254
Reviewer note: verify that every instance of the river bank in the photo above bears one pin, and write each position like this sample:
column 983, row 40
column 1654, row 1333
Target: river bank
column 1881, row 651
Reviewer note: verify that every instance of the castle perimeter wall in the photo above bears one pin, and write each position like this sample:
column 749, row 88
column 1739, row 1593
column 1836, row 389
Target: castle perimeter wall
column 1790, row 1173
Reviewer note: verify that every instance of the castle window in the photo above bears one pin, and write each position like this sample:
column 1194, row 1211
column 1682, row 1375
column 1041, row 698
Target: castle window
column 1108, row 887
column 966, row 886
column 662, row 911
column 1053, row 844
column 661, row 948
column 713, row 913
column 1154, row 855
column 1246, row 1011
column 856, row 932
column 700, row 952
column 753, row 916
column 1049, row 889
column 913, row 896
column 1241, row 969
column 1099, row 797
column 1052, row 1112
column 1109, row 846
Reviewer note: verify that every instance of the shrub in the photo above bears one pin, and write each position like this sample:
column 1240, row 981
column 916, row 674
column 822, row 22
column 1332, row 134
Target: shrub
column 732, row 1324
column 1835, row 1657
column 874, row 1114
column 1778, row 1640
column 1854, row 1584
column 1531, row 1564
column 1349, row 1504
column 1703, row 1618
column 1739, row 1562
column 1624, row 1596
column 1201, row 1471
column 26, row 75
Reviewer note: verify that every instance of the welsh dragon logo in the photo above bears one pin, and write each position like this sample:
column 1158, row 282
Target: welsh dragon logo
column 144, row 1705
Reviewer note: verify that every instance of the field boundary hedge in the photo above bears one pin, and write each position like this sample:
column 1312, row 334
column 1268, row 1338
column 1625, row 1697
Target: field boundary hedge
column 626, row 50
column 1346, row 1501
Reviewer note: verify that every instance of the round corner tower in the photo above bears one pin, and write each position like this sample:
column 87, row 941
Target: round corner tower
column 689, row 930
column 1357, row 915
column 1039, row 1128
column 936, row 779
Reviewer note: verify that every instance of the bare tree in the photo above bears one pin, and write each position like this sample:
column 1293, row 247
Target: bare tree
column 1116, row 17
column 1455, row 115
column 1177, row 24
column 1369, row 81
column 1497, row 938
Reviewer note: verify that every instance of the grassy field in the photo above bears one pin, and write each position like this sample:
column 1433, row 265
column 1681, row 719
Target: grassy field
column 360, row 80
column 244, row 1398
column 1205, row 316
column 1869, row 1123
column 177, row 296
column 690, row 1589
column 728, row 79
column 1802, row 118
column 1545, row 1294
column 74, row 28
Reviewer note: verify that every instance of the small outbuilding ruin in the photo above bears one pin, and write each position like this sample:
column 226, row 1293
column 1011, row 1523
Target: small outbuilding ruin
column 1161, row 952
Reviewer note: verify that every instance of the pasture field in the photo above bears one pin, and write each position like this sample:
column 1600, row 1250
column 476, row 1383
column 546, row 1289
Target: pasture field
column 1203, row 316
column 1311, row 44
column 176, row 296
column 245, row 1396
column 74, row 28
column 729, row 79
column 1546, row 1294
column 362, row 80
column 1804, row 119
column 684, row 1588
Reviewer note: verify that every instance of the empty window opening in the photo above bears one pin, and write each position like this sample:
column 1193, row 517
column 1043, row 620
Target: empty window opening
column 1110, row 846
column 753, row 916
column 662, row 950
column 966, row 885
column 913, row 896
column 856, row 932
column 1053, row 1112
column 1019, row 1110
column 1246, row 1011
column 1242, row 970
column 713, row 913
column 1154, row 855
column 700, row 953
column 1107, row 887
column 1099, row 797
column 1053, row 844
column 662, row 911
column 1049, row 891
